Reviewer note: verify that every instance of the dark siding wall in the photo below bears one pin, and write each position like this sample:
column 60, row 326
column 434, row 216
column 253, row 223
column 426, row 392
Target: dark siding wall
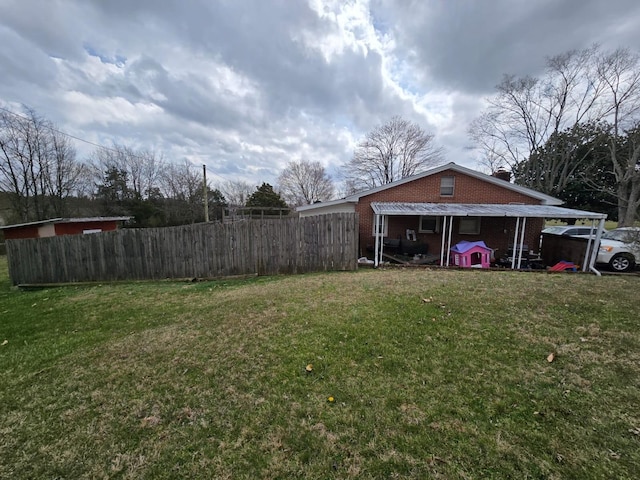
column 67, row 228
column 21, row 232
column 73, row 228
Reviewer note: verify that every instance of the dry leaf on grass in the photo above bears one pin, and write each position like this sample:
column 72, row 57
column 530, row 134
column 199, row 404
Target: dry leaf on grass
column 551, row 357
column 150, row 421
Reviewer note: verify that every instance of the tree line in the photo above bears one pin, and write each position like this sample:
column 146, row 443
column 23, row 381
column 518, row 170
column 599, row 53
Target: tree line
column 572, row 132
column 41, row 177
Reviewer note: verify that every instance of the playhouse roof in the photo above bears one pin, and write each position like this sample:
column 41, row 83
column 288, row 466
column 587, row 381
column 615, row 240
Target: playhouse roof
column 464, row 246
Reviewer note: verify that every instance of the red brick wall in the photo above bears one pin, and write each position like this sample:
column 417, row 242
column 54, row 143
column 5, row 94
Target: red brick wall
column 21, row 232
column 77, row 228
column 497, row 233
column 60, row 228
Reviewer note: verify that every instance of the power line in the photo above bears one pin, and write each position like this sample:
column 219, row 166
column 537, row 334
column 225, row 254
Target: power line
column 50, row 127
column 53, row 129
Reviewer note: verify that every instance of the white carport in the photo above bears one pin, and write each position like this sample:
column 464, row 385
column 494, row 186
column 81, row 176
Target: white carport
column 383, row 210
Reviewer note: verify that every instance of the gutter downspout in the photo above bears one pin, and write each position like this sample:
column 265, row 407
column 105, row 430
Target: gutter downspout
column 449, row 240
column 524, row 226
column 587, row 254
column 596, row 247
column 515, row 244
column 377, row 246
column 383, row 221
column 443, row 242
column 586, row 264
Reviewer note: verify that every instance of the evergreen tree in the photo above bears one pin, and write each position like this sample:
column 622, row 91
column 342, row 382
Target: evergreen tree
column 267, row 201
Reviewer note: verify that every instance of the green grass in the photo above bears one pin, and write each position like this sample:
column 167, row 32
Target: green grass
column 435, row 374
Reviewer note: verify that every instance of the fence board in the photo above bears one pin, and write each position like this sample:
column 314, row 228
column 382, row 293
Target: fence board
column 208, row 250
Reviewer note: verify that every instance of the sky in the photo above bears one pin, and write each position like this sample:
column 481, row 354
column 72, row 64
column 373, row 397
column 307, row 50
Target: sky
column 246, row 86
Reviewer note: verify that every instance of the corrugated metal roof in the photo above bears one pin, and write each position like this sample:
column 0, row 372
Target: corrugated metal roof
column 481, row 210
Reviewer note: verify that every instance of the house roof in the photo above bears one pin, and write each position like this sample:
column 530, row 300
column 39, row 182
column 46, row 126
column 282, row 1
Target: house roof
column 545, row 199
column 66, row 220
column 481, row 210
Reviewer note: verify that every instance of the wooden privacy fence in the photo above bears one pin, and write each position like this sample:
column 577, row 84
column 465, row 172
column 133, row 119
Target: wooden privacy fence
column 207, row 250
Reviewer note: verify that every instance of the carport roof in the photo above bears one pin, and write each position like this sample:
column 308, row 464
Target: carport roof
column 481, row 210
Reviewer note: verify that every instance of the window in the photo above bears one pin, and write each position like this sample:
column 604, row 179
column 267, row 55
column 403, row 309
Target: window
column 469, row 225
column 446, row 186
column 429, row 224
column 383, row 226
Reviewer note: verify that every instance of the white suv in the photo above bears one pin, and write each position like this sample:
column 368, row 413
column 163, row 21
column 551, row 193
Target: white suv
column 620, row 248
column 572, row 231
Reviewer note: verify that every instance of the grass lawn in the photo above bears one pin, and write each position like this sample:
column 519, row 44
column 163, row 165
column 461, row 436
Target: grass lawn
column 433, row 374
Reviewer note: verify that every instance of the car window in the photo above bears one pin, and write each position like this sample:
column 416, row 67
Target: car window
column 626, row 236
column 631, row 236
column 611, row 235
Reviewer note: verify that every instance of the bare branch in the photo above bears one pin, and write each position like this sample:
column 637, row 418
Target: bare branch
column 391, row 151
column 305, row 182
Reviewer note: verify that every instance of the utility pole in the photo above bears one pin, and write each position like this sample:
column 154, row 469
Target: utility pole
column 204, row 193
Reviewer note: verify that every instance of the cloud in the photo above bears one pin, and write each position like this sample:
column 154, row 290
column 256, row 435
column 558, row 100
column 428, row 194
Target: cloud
column 247, row 86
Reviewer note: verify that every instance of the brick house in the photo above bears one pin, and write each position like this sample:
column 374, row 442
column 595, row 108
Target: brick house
column 445, row 205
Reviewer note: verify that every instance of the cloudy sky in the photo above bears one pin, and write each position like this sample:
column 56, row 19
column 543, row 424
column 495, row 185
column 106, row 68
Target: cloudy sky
column 244, row 86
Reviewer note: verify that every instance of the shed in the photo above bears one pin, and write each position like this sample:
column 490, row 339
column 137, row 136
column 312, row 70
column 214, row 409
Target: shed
column 471, row 255
column 62, row 226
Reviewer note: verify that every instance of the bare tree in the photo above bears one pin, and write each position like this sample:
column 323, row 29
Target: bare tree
column 144, row 168
column 304, row 182
column 38, row 167
column 391, row 151
column 620, row 72
column 65, row 176
column 236, row 192
column 578, row 88
column 527, row 111
column 181, row 180
column 624, row 153
column 182, row 185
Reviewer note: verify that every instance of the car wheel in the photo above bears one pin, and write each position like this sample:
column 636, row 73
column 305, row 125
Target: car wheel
column 622, row 262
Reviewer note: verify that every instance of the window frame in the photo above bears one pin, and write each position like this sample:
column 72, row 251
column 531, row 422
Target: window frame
column 444, row 188
column 385, row 226
column 437, row 226
column 477, row 221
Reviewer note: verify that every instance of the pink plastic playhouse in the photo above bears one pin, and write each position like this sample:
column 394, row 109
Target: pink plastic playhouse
column 470, row 255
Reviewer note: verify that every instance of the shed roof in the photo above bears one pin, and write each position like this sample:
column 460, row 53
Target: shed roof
column 66, row 220
column 481, row 210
